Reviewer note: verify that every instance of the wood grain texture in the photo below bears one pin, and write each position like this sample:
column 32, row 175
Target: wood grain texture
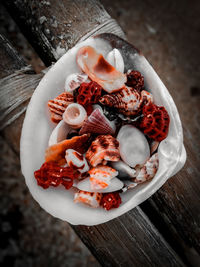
column 52, row 27
column 176, row 204
column 130, row 239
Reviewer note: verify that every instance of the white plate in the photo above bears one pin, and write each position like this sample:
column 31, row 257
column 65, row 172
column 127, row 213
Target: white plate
column 37, row 129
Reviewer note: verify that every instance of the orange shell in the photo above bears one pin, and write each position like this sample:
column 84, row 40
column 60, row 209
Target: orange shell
column 104, row 147
column 89, row 198
column 58, row 105
column 57, row 152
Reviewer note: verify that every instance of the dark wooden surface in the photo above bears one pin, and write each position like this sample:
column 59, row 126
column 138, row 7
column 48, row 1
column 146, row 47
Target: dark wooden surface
column 173, row 210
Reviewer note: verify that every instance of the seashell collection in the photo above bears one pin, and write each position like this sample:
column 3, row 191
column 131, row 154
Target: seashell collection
column 105, row 132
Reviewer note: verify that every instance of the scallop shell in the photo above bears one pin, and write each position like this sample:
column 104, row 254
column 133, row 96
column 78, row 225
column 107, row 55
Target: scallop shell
column 128, row 100
column 97, row 123
column 57, row 152
column 133, row 146
column 74, row 80
column 91, row 199
column 115, row 58
column 76, row 160
column 103, row 148
column 59, row 203
column 99, row 70
column 75, row 115
column 58, row 105
column 114, row 185
column 59, row 133
column 124, row 171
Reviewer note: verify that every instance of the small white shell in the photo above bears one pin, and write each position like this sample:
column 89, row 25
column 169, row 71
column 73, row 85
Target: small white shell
column 75, row 115
column 59, row 133
column 77, row 160
column 74, row 80
column 133, row 146
column 115, row 58
column 124, row 171
column 115, row 185
column 91, row 199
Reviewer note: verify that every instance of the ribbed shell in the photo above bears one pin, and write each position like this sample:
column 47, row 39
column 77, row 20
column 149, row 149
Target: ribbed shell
column 103, row 148
column 58, row 105
column 97, row 123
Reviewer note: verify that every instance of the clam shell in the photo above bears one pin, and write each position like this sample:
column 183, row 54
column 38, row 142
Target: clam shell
column 114, row 185
column 97, row 123
column 59, row 202
column 115, row 58
column 133, row 146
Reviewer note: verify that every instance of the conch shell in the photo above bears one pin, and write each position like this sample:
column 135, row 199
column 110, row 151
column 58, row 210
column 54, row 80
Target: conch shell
column 76, row 160
column 99, row 70
column 58, row 105
column 90, row 198
column 103, row 148
column 97, row 123
column 75, row 115
column 74, row 80
column 128, row 100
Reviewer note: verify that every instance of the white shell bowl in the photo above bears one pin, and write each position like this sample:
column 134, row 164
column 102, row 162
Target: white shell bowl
column 38, row 127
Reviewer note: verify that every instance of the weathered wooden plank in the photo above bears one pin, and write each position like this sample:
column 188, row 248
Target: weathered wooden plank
column 52, row 27
column 178, row 196
column 130, row 239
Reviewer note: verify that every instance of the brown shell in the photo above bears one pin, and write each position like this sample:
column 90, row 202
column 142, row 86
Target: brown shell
column 128, row 100
column 58, row 105
column 103, row 148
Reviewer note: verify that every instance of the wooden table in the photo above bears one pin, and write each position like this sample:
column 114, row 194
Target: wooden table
column 165, row 229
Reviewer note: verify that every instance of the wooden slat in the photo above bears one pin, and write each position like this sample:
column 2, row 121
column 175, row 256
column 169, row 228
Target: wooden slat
column 139, row 242
column 52, row 27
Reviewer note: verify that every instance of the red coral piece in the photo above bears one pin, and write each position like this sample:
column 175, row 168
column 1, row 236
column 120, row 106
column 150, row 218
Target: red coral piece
column 155, row 123
column 51, row 174
column 88, row 94
column 110, row 200
column 135, row 80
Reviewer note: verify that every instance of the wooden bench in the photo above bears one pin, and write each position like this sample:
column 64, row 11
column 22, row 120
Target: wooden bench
column 165, row 229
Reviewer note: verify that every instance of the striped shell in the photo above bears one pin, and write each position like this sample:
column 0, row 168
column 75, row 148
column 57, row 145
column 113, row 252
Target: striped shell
column 128, row 100
column 76, row 160
column 103, row 148
column 58, row 105
column 100, row 177
column 97, row 123
column 89, row 198
column 73, row 81
column 99, row 70
column 148, row 171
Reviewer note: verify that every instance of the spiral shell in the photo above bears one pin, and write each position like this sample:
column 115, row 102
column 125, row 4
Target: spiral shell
column 99, row 70
column 90, row 198
column 76, row 160
column 148, row 171
column 58, row 105
column 97, row 123
column 75, row 115
column 103, row 148
column 128, row 100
